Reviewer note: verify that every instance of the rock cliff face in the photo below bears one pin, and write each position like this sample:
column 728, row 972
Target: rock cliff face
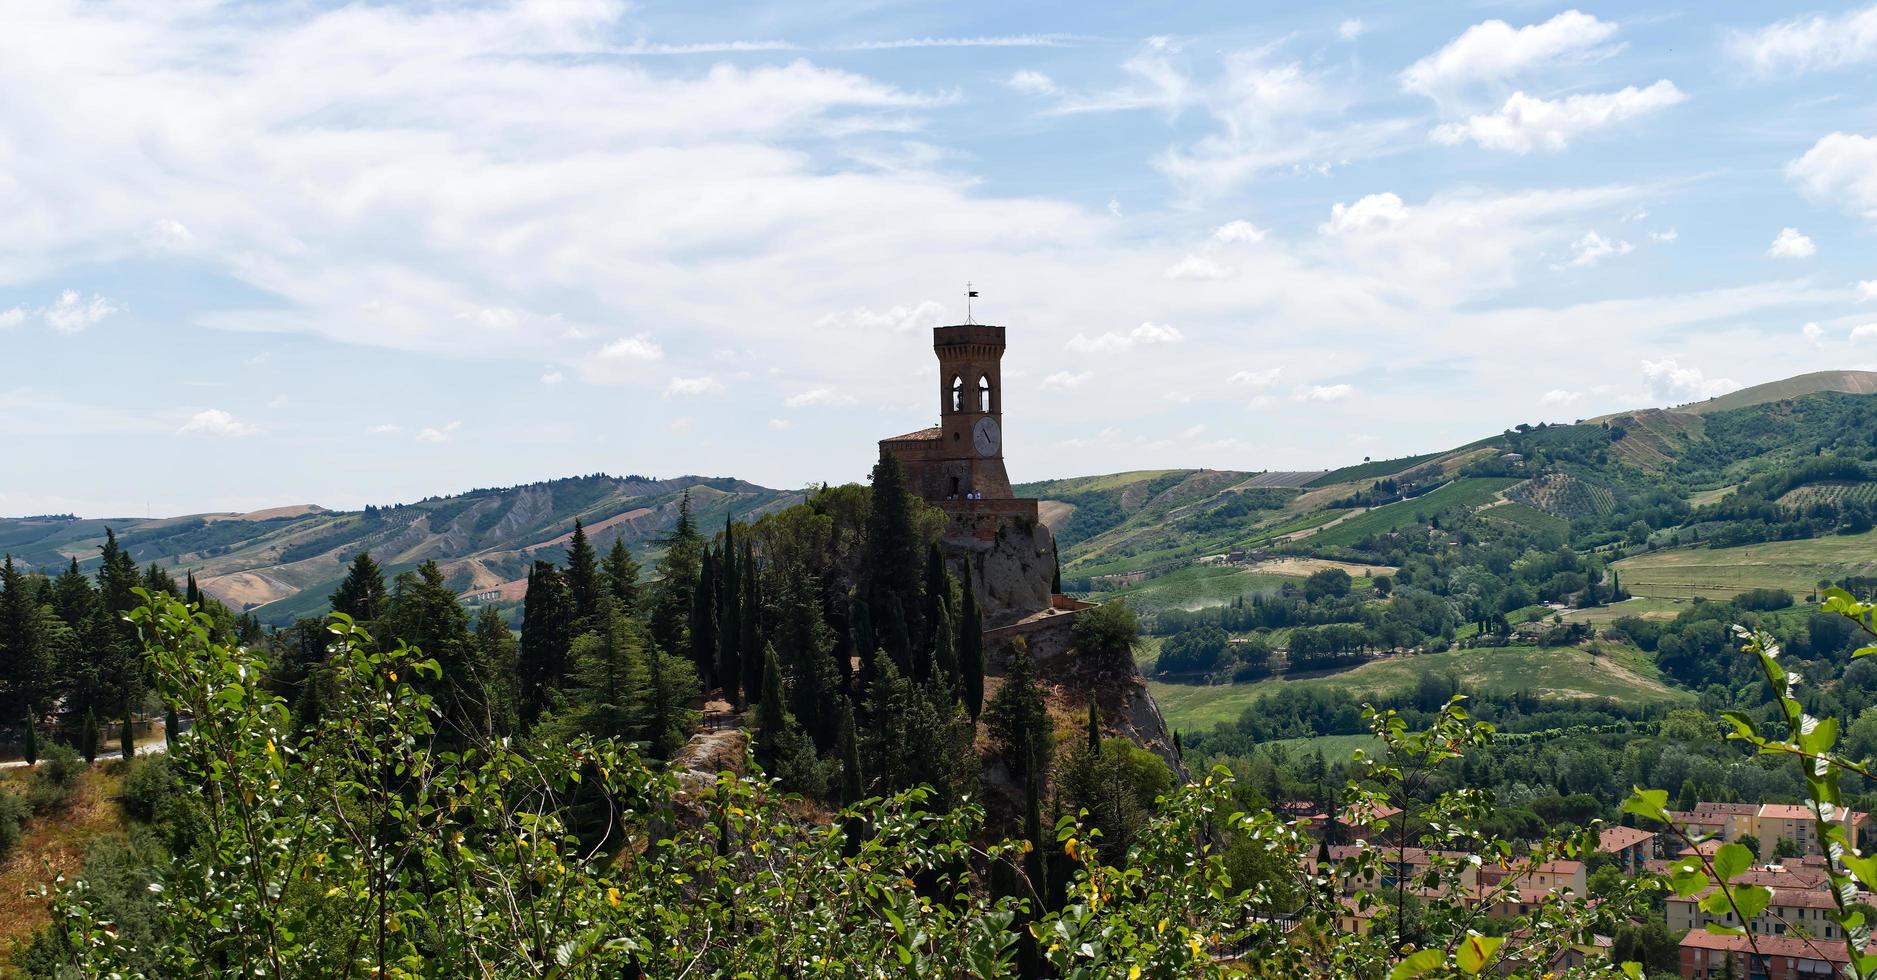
column 1013, row 570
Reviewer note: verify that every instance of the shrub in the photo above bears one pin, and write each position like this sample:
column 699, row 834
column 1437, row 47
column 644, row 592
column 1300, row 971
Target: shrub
column 54, row 779
column 14, row 809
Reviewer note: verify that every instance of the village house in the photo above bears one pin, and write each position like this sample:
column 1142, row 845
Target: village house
column 1704, row 956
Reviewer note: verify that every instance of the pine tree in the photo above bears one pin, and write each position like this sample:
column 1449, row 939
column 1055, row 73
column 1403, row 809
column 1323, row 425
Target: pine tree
column 621, row 575
column 27, row 676
column 890, row 563
column 583, row 577
column 677, row 573
column 729, row 619
column 73, row 597
column 971, row 650
column 424, row 613
column 704, row 618
column 157, row 582
column 608, row 692
column 1018, row 718
column 866, row 648
column 361, row 595
column 546, row 636
column 917, row 735
column 673, row 686
column 496, row 655
column 749, row 627
column 772, row 719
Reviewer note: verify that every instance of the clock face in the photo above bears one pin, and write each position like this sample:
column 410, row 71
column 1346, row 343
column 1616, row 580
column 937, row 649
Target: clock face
column 986, row 438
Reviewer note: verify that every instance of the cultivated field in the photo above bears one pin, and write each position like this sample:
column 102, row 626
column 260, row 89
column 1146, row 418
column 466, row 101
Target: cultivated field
column 1469, row 492
column 1618, row 672
column 1796, row 566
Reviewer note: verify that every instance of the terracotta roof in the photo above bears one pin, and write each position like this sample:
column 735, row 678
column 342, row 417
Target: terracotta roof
column 1615, row 839
column 932, row 434
column 1807, row 949
column 1785, row 811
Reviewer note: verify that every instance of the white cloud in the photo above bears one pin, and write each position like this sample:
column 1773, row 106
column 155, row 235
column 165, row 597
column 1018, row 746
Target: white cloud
column 1841, row 170
column 439, row 435
column 1592, row 248
column 900, row 318
column 384, row 429
column 638, row 347
column 552, row 377
column 1325, row 393
column 1256, row 379
column 171, row 234
column 12, row 318
column 1867, row 289
column 704, row 385
column 1349, row 29
column 1864, row 331
column 1667, row 381
column 1238, row 231
column 215, row 422
column 1559, row 396
column 818, row 396
column 1114, row 341
column 1063, row 380
column 1790, row 244
column 1809, row 43
column 1814, row 334
column 1664, row 236
column 1526, row 123
column 1371, row 213
column 680, row 425
column 277, row 402
column 1032, row 83
column 73, row 312
column 1178, row 396
column 1192, row 432
column 1195, row 267
column 780, row 424
column 1495, row 50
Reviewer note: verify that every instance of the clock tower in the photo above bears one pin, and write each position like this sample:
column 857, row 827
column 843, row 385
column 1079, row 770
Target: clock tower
column 970, row 455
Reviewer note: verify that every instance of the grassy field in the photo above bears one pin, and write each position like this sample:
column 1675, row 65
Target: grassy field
column 1619, row 672
column 1195, row 587
column 1795, row 566
column 1527, row 517
column 53, row 844
column 1469, row 492
column 1644, row 607
column 1335, row 748
column 1372, row 470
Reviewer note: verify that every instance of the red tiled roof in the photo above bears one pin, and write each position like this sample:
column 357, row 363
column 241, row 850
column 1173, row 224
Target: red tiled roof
column 933, row 433
column 1615, row 839
column 1809, row 949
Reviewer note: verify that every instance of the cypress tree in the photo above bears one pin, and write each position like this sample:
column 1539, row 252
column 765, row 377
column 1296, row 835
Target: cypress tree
column 192, row 594
column 894, row 638
column 1055, row 578
column 729, row 620
column 127, row 737
column 1033, row 832
column 704, row 618
column 583, row 577
column 158, row 582
column 1179, row 751
column 944, row 660
column 1094, row 725
column 971, row 650
column 938, row 598
column 172, row 724
column 749, row 622
column 32, row 739
column 362, row 594
column 772, row 719
column 853, row 787
column 620, row 574
column 860, row 626
column 804, row 643
column 88, row 737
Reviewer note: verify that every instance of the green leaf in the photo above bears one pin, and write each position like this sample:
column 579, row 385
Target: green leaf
column 1476, row 951
column 1417, row 965
column 1632, row 969
column 1732, row 859
column 1863, row 652
column 1752, row 900
column 1650, row 803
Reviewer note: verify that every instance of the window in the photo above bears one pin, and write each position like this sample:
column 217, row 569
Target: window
column 958, row 393
column 984, row 394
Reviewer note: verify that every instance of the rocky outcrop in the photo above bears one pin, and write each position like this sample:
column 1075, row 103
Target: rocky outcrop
column 1013, row 570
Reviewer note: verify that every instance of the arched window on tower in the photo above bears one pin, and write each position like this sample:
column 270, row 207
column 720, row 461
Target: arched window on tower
column 984, row 394
column 958, row 394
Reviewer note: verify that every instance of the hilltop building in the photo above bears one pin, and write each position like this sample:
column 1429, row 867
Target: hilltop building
column 958, row 466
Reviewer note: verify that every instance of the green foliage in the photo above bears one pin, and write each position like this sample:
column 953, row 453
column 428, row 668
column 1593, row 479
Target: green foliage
column 1106, row 638
column 1017, row 718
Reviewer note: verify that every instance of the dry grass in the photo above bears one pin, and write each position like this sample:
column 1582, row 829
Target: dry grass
column 54, row 844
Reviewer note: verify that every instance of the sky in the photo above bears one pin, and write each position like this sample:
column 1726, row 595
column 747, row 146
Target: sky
column 256, row 254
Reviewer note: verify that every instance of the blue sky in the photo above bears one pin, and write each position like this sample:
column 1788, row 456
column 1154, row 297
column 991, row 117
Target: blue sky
column 257, row 254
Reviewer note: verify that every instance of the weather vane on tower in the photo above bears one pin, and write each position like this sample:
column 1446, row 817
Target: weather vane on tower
column 970, row 294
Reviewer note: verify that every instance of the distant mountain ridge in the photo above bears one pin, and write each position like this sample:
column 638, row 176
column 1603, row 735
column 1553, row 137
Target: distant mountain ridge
column 282, row 562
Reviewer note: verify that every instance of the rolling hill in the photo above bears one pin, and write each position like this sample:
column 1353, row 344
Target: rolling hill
column 282, row 562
